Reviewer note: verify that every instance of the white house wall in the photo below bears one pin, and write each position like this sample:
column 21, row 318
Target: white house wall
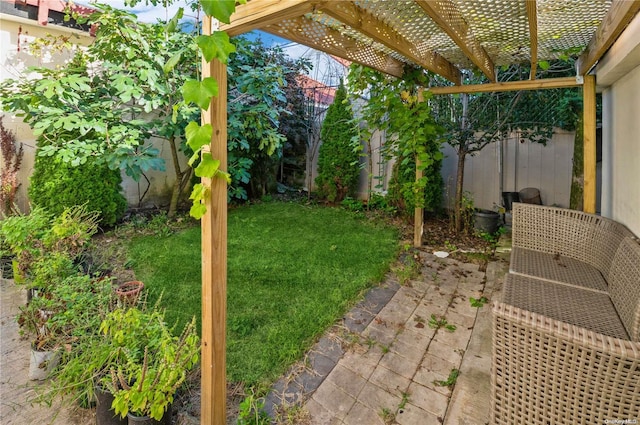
column 618, row 75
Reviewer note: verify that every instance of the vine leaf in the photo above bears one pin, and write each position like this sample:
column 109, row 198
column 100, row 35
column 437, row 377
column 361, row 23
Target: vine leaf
column 172, row 62
column 215, row 46
column 208, row 166
column 200, row 92
column 219, row 9
column 198, row 136
column 198, row 209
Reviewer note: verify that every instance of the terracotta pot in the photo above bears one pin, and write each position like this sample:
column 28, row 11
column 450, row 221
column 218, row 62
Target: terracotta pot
column 129, row 292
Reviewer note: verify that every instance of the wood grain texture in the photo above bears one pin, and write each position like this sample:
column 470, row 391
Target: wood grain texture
column 214, row 257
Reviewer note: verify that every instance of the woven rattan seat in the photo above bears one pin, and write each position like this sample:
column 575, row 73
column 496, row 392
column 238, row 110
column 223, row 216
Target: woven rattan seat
column 588, row 309
column 557, row 268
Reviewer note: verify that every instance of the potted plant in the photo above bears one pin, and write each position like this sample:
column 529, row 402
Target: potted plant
column 33, row 238
column 44, row 355
column 150, row 362
column 62, row 316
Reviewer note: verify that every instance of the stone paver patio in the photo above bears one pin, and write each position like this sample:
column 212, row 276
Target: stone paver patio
column 390, row 361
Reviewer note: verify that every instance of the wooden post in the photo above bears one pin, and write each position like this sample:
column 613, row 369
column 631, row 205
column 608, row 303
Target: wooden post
column 213, row 407
column 418, row 214
column 589, row 119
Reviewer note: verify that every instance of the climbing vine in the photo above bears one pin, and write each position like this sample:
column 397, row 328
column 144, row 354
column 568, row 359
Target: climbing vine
column 400, row 107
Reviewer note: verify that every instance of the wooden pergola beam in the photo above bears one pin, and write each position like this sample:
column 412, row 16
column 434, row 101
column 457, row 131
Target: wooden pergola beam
column 255, row 15
column 364, row 22
column 618, row 17
column 532, row 17
column 335, row 43
column 448, row 17
column 589, row 140
column 213, row 409
column 549, row 83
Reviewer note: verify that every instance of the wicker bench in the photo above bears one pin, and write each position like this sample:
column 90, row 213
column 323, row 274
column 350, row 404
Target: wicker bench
column 566, row 336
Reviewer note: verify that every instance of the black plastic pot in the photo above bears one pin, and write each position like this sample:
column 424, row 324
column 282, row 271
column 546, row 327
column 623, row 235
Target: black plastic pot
column 104, row 413
column 146, row 420
column 142, row 420
column 508, row 198
column 530, row 195
column 486, row 221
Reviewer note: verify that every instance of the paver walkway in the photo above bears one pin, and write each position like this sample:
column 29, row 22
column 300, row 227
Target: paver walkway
column 392, row 361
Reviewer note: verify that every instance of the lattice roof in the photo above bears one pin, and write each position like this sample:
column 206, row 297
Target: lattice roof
column 443, row 36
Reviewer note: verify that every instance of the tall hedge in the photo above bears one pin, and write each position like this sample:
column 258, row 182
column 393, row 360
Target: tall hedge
column 339, row 154
column 56, row 185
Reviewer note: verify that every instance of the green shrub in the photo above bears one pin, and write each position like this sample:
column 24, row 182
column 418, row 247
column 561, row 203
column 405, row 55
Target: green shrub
column 338, row 157
column 56, row 185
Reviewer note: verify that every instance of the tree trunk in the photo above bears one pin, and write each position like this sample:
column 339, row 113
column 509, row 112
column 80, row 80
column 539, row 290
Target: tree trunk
column 462, row 153
column 179, row 175
column 577, row 176
column 459, row 190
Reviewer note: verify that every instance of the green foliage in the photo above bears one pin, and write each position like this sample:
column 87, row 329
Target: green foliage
column 400, row 108
column 473, row 121
column 409, row 265
column 402, row 184
column 149, row 363
column 45, row 246
column 338, row 158
column 351, row 204
column 84, row 112
column 49, row 268
column 70, row 310
column 479, row 302
column 251, row 411
column 492, row 239
column 22, row 233
column 382, row 203
column 450, row 381
column 56, row 185
column 440, row 322
column 259, row 79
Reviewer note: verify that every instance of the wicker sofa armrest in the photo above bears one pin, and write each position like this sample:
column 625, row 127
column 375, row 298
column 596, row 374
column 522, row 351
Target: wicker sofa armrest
column 624, row 285
column 546, row 371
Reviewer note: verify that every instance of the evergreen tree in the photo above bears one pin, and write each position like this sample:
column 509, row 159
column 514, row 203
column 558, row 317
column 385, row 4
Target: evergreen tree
column 338, row 158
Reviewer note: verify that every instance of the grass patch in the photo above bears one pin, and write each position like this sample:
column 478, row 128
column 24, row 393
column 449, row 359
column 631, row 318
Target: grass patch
column 292, row 271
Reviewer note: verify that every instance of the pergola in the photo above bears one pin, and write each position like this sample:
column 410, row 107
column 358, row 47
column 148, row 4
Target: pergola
column 442, row 36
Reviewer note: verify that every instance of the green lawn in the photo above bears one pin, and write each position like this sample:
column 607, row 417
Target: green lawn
column 292, row 271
